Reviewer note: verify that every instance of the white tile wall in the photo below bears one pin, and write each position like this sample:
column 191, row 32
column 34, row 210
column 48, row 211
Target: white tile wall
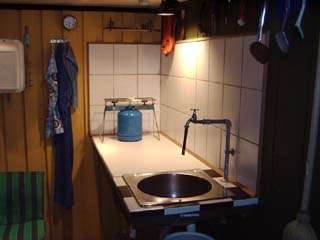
column 164, row 118
column 217, row 50
column 148, row 59
column 231, row 106
column 101, row 59
column 214, row 145
column 96, row 120
column 125, row 59
column 149, row 86
column 148, row 122
column 101, row 86
column 172, row 91
column 166, row 64
column 113, row 70
column 233, row 160
column 172, row 125
column 233, row 61
column 201, row 130
column 248, row 164
column 203, row 60
column 215, row 100
column 164, row 89
column 181, row 120
column 125, row 86
column 185, row 60
column 188, row 95
column 252, row 71
column 219, row 77
column 202, row 98
column 250, row 113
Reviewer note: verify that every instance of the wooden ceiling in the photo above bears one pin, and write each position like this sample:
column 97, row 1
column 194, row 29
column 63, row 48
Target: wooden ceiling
column 111, row 3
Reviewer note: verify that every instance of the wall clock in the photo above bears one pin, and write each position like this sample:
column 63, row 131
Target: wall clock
column 69, row 22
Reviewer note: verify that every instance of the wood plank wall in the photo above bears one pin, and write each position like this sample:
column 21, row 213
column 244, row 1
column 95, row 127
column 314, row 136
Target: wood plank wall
column 23, row 146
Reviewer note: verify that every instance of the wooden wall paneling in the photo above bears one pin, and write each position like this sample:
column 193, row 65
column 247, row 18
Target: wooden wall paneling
column 93, row 26
column 73, row 217
column 51, row 28
column 33, row 95
column 154, row 36
column 75, row 37
column 92, row 32
column 83, row 167
column 52, row 19
column 114, row 36
column 13, row 107
column 34, row 100
column 130, row 20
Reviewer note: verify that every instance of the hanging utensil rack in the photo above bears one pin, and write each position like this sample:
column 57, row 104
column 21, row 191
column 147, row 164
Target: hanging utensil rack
column 118, row 104
column 145, row 27
column 58, row 40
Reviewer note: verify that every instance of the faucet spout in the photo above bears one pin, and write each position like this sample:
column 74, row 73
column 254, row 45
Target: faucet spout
column 228, row 150
column 186, row 128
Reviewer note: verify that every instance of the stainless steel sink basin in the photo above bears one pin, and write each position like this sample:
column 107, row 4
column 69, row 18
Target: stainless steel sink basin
column 174, row 187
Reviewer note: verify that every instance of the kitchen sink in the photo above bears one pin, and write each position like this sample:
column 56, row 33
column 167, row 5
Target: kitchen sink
column 152, row 189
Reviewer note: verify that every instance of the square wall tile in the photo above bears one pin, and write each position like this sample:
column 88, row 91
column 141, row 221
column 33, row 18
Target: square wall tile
column 233, row 61
column 215, row 100
column 188, row 97
column 166, row 63
column 250, row 113
column 252, row 70
column 100, row 87
column 101, row 59
column 149, row 86
column 231, row 107
column 172, row 91
column 172, row 123
column 179, row 95
column 202, row 72
column 125, row 86
column 214, row 145
column 200, row 140
column 181, row 121
column 185, row 59
column 202, row 98
column 96, row 120
column 164, row 119
column 217, row 49
column 148, row 120
column 125, row 59
column 233, row 159
column 248, row 164
column 164, row 89
column 91, row 58
column 149, row 59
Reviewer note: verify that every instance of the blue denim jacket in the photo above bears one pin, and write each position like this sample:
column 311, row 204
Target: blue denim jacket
column 53, row 122
column 70, row 64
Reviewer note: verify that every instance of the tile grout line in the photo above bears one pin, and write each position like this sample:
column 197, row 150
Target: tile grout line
column 237, row 164
column 222, row 101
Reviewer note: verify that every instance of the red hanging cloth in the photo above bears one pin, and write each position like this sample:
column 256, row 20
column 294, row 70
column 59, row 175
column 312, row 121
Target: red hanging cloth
column 168, row 34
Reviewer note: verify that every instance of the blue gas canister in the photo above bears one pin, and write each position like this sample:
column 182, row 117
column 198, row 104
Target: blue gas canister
column 129, row 124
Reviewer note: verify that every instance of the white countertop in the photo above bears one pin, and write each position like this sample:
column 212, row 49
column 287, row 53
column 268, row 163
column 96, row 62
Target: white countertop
column 148, row 155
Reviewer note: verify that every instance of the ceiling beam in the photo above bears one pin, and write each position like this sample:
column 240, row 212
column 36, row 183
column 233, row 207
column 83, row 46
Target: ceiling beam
column 77, row 8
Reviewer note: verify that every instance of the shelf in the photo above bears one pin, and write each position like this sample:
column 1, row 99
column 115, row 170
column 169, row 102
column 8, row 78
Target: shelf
column 132, row 29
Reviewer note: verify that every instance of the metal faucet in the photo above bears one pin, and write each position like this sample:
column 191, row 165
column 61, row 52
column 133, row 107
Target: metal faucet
column 228, row 150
